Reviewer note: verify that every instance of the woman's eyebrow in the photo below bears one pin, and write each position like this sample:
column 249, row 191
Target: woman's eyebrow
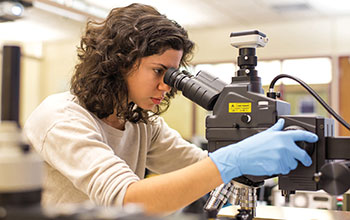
column 162, row 65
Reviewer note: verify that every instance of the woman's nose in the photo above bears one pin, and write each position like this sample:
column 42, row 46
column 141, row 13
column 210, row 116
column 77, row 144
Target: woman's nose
column 162, row 86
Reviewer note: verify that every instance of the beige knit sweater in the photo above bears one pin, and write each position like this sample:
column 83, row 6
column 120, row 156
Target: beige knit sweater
column 86, row 159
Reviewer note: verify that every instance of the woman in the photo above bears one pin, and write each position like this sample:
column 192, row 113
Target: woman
column 98, row 139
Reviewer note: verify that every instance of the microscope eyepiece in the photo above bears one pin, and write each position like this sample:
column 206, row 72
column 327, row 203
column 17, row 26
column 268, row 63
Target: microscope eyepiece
column 175, row 78
column 202, row 89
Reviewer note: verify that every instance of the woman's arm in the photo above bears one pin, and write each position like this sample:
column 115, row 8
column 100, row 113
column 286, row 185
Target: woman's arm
column 270, row 152
column 172, row 191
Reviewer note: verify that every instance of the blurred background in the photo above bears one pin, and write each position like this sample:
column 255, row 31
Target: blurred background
column 309, row 39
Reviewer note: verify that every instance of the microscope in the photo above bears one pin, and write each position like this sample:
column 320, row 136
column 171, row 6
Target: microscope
column 240, row 109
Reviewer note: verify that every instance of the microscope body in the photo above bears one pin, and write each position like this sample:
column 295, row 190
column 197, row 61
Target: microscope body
column 241, row 109
column 240, row 113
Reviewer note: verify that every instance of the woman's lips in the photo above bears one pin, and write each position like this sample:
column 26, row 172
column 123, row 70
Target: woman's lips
column 156, row 101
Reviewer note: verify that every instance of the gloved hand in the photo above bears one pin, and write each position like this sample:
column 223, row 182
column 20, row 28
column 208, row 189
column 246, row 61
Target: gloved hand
column 270, row 152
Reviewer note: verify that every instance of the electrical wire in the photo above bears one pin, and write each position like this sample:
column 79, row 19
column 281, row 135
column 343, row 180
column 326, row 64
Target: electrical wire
column 314, row 94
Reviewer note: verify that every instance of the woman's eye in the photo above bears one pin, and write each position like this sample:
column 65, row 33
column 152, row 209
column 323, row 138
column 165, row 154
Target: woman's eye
column 159, row 71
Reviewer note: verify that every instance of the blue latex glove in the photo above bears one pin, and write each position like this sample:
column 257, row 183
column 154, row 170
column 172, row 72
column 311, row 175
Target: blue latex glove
column 270, row 152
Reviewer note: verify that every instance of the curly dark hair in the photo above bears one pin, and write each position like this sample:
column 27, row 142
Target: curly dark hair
column 110, row 49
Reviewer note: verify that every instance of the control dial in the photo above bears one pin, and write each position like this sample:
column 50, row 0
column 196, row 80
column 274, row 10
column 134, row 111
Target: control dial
column 309, row 148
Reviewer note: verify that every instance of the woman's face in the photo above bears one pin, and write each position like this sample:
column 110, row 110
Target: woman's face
column 145, row 84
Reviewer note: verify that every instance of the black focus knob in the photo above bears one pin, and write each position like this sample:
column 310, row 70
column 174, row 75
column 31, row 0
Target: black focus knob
column 246, row 118
column 309, row 148
column 335, row 177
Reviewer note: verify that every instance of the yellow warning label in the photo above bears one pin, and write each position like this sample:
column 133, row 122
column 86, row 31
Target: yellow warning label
column 240, row 107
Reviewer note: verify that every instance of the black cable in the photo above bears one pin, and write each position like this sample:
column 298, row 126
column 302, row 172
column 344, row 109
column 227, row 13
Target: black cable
column 314, row 94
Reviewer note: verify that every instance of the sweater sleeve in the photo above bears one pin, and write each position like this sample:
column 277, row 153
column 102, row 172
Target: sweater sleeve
column 75, row 148
column 169, row 151
column 77, row 151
